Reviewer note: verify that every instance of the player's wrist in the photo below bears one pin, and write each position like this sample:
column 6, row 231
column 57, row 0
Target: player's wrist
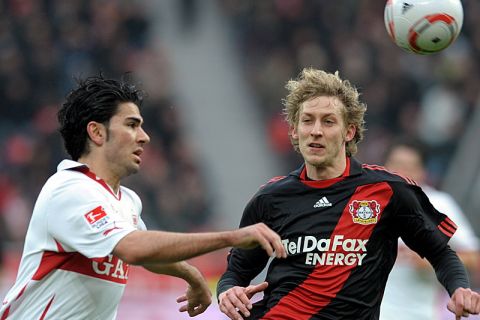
column 192, row 275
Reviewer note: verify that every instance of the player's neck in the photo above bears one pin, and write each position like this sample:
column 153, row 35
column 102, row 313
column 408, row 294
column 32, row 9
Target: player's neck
column 102, row 170
column 326, row 171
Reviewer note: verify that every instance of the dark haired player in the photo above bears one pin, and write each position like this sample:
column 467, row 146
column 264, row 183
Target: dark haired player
column 86, row 228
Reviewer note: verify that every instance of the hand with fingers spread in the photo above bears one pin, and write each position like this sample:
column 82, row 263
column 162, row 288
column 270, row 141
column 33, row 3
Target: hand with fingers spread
column 259, row 234
column 464, row 302
column 198, row 299
column 236, row 300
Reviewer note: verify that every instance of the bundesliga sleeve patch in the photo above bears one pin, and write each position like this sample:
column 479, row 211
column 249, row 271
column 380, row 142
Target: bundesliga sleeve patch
column 97, row 218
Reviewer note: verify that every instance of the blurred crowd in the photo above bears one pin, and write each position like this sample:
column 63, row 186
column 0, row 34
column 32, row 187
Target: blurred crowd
column 429, row 98
column 44, row 46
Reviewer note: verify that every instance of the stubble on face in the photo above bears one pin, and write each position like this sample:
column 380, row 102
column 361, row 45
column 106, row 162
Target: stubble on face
column 123, row 140
column 322, row 133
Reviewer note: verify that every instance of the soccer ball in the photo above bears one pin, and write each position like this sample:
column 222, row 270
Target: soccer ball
column 423, row 26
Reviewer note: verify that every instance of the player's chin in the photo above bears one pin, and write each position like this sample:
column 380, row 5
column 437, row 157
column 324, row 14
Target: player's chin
column 316, row 160
column 133, row 168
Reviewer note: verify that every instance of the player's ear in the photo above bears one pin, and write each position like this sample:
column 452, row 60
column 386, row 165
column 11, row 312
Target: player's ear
column 294, row 132
column 350, row 134
column 96, row 132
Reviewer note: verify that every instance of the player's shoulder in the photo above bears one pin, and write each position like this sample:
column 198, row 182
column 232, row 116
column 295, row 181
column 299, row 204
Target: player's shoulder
column 272, row 185
column 281, row 184
column 380, row 173
column 66, row 179
column 130, row 193
column 71, row 183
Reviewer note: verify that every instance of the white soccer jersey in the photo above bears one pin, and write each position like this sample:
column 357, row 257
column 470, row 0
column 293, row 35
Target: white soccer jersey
column 411, row 294
column 67, row 270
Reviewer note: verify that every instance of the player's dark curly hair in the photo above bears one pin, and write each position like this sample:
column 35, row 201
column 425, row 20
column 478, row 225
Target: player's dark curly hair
column 95, row 99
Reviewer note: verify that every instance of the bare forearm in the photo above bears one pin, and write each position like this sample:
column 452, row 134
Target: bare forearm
column 197, row 296
column 157, row 247
column 153, row 247
column 181, row 270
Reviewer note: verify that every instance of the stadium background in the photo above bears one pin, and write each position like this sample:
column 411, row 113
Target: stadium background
column 215, row 72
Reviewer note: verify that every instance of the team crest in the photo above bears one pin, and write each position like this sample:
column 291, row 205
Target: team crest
column 364, row 211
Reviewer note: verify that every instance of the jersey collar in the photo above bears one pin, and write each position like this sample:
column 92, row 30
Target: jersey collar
column 69, row 164
column 352, row 168
column 83, row 168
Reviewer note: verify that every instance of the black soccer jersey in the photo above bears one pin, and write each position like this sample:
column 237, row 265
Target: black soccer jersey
column 341, row 238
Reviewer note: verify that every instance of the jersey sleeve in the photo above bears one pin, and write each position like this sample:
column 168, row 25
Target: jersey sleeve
column 244, row 265
column 465, row 238
column 423, row 228
column 81, row 219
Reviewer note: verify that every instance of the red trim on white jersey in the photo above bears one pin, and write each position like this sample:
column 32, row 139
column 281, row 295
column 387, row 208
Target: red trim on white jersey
column 49, row 304
column 5, row 314
column 59, row 246
column 108, row 268
column 86, row 171
column 7, row 311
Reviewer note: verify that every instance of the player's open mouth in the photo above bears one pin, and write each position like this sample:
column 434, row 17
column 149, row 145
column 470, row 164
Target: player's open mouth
column 138, row 153
column 316, row 145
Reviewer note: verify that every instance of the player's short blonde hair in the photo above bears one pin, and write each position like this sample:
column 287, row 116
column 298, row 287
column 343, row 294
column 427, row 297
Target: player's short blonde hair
column 312, row 83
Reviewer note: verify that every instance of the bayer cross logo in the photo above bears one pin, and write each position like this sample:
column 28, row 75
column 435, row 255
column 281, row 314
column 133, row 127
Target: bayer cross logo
column 364, row 211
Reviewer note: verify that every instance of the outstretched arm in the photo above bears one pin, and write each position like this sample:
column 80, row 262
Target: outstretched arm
column 152, row 247
column 452, row 275
column 197, row 295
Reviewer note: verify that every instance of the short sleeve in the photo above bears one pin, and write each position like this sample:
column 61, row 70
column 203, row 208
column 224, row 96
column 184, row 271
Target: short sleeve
column 82, row 219
column 465, row 238
column 423, row 228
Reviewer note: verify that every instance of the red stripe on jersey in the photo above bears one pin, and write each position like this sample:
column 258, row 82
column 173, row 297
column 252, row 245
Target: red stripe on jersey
column 44, row 314
column 5, row 313
column 325, row 281
column 86, row 171
column 59, row 246
column 21, row 292
column 108, row 268
column 275, row 179
column 380, row 168
column 450, row 223
column 446, row 232
column 324, row 183
column 448, row 227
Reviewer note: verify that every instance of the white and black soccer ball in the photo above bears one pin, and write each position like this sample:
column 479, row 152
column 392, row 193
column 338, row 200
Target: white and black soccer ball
column 423, row 26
